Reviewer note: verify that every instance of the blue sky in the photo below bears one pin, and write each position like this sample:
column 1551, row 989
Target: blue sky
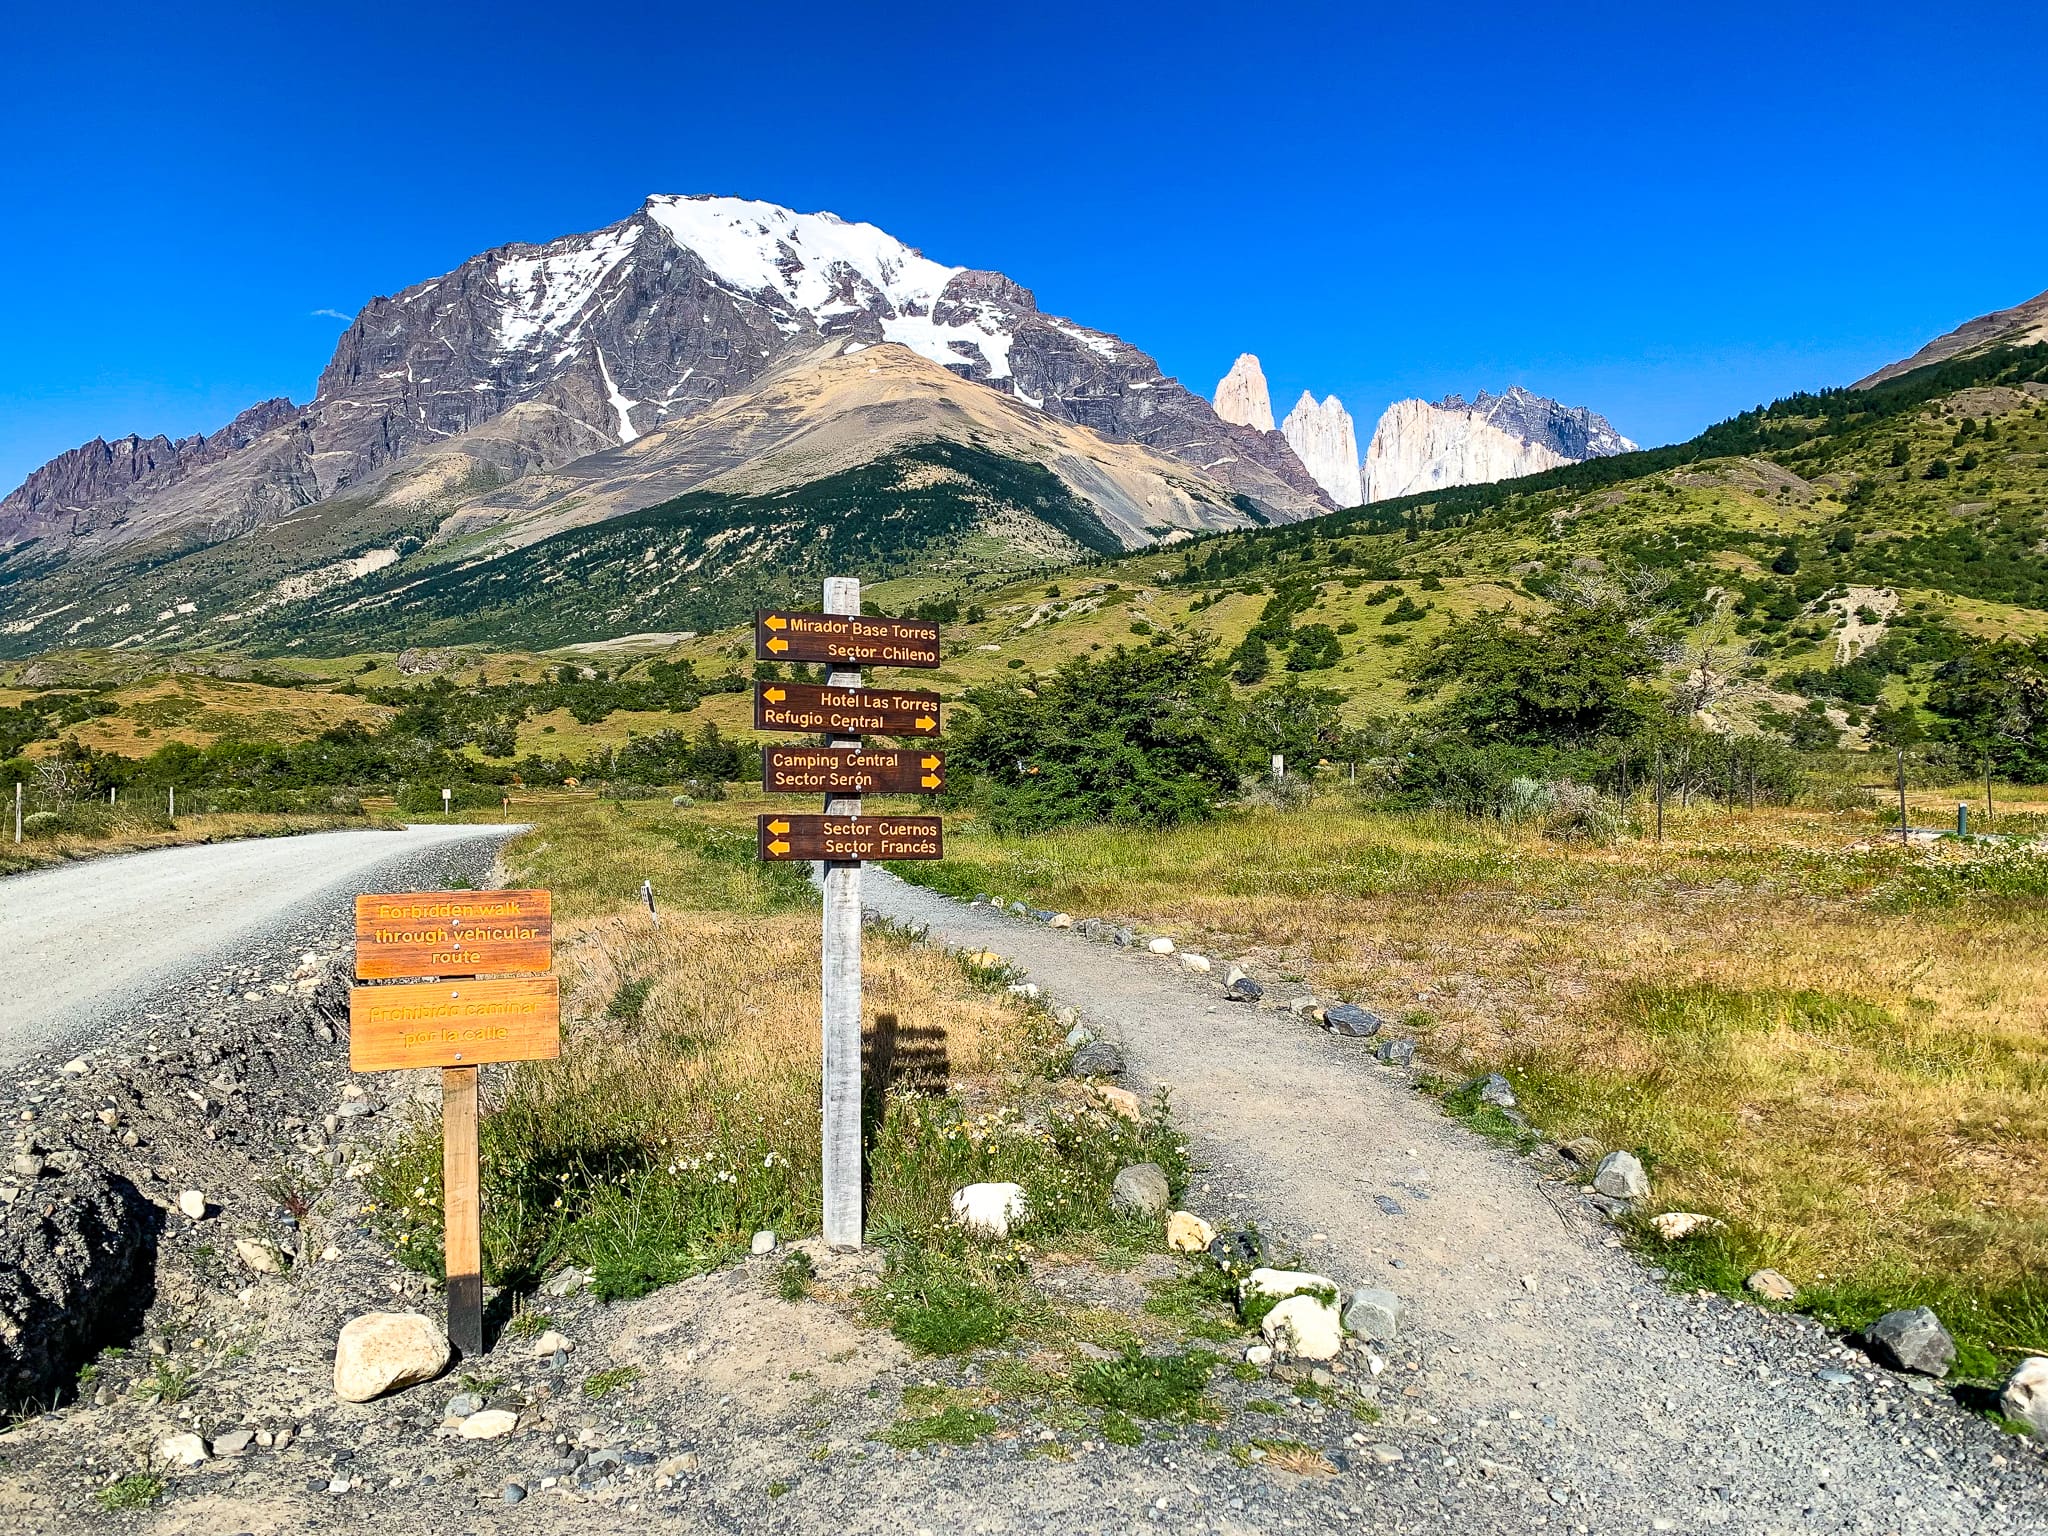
column 1668, row 213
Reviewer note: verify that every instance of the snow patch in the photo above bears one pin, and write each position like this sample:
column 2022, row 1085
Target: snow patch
column 543, row 295
column 619, row 402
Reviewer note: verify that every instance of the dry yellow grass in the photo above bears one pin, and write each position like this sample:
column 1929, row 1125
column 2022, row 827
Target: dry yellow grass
column 131, row 835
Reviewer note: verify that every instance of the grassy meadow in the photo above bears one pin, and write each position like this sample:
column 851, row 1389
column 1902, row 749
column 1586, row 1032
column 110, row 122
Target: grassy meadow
column 1837, row 1046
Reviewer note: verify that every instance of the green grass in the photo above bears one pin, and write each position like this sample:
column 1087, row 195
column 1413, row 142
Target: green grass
column 602, row 1384
column 942, row 1304
column 951, row 1425
column 795, row 1276
column 138, row 1490
column 169, row 1384
column 1200, row 1301
column 1147, row 1386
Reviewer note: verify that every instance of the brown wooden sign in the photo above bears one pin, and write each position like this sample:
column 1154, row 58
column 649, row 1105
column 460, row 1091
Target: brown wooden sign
column 841, row 838
column 844, row 711
column 851, row 771
column 454, row 1023
column 850, row 641
column 453, row 933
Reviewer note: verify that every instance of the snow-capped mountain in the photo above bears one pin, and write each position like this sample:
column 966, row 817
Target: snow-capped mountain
column 607, row 335
column 1325, row 441
column 1419, row 447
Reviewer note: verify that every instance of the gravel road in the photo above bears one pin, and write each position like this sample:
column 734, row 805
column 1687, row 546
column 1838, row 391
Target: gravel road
column 1555, row 1383
column 85, row 940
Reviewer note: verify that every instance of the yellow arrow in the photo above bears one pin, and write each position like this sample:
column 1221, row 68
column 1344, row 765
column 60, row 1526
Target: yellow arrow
column 776, row 621
column 778, row 827
column 930, row 781
column 774, row 695
column 927, row 723
column 930, row 762
column 778, row 644
column 778, row 847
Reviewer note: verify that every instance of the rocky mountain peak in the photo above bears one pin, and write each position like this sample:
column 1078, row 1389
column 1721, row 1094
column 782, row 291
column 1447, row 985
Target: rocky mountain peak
column 1323, row 438
column 1241, row 395
column 1420, row 446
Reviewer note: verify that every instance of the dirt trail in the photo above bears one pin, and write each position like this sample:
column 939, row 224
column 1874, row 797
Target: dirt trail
column 1554, row 1368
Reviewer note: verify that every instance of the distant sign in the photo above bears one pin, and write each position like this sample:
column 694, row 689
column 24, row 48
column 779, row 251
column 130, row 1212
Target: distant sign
column 454, row 1024
column 850, row 641
column 851, row 771
column 453, row 933
column 844, row 711
column 841, row 838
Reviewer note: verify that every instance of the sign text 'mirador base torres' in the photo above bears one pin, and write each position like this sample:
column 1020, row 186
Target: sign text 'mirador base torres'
column 848, row 640
column 785, row 837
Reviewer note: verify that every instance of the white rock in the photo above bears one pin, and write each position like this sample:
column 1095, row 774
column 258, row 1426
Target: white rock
column 192, row 1203
column 1325, row 441
column 382, row 1352
column 1673, row 1225
column 1620, row 1176
column 1028, row 990
column 551, row 1343
column 764, row 1242
column 1188, row 1233
column 986, row 1210
column 1306, row 1327
column 75, row 1067
column 1420, row 447
column 1234, row 976
column 1241, row 395
column 2026, row 1394
column 1284, row 1282
column 234, row 1443
column 1199, row 964
column 1161, row 946
column 259, row 1256
column 1061, row 920
column 490, row 1424
column 180, row 1450
column 1259, row 1354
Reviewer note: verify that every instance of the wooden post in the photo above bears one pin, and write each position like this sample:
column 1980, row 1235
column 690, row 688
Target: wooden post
column 1903, row 839
column 1660, row 795
column 1987, row 794
column 17, row 802
column 840, row 1020
column 462, row 1203
column 1279, row 767
column 174, row 802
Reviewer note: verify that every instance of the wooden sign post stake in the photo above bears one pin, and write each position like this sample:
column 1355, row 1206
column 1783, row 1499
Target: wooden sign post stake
column 456, row 1023
column 841, row 1011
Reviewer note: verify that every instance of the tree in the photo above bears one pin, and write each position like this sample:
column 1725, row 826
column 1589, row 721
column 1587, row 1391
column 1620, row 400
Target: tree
column 1564, row 677
column 1786, row 562
column 1902, row 453
column 1992, row 705
column 1297, row 721
column 1249, row 663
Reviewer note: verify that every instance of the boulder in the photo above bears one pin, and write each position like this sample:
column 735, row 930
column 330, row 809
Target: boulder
column 987, row 1210
column 1061, row 920
column 1620, row 1176
column 235, row 1442
column 550, row 1344
column 1198, row 964
column 1244, row 990
column 1352, row 1021
column 1122, row 1101
column 1188, row 1233
column 2026, row 1394
column 1771, row 1286
column 1098, row 1058
column 192, row 1203
column 490, row 1424
column 1160, row 946
column 180, row 1451
column 1306, row 1327
column 1674, row 1226
column 1495, row 1090
column 1372, row 1314
column 382, row 1352
column 1141, row 1190
column 1397, row 1053
column 1911, row 1339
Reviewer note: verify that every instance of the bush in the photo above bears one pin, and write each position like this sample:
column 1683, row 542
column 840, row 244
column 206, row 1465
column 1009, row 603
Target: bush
column 1578, row 812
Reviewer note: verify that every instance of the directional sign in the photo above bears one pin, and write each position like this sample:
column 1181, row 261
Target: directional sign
column 453, row 933
column 848, row 771
column 849, row 640
column 788, row 838
column 454, row 1023
column 844, row 711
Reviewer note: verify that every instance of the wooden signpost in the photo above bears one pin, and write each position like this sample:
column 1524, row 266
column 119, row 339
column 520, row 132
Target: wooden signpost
column 842, row 770
column 455, row 1022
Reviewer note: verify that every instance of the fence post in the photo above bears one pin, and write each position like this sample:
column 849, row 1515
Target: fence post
column 1660, row 796
column 17, row 808
column 1904, row 841
column 1279, row 767
column 841, row 1011
column 174, row 802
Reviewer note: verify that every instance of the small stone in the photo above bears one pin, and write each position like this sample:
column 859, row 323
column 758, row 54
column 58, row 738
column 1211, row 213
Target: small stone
column 1198, row 964
column 1385, row 1455
column 1674, row 1226
column 180, row 1450
column 463, row 1404
column 1353, row 1021
column 1160, row 946
column 1060, row 920
column 1307, row 1327
column 1374, row 1315
column 1098, row 1058
column 382, row 1352
column 1620, row 1176
column 339, row 1485
column 1237, row 1252
column 1122, row 1102
column 1397, row 1053
column 489, row 1424
column 1188, row 1233
column 1140, row 1190
column 1495, row 1090
column 511, row 1493
column 548, row 1345
column 1259, row 1354
column 1124, row 938
column 1771, row 1285
column 259, row 1256
column 1834, row 1378
column 1244, row 990
column 1585, row 1151
column 1305, row 1007
column 987, row 1210
column 764, row 1242
column 234, row 1443
column 567, row 1282
column 28, row 1165
column 1911, row 1339
column 1078, row 1035
column 110, row 1118
column 2026, row 1394
column 265, row 1439
column 75, row 1067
